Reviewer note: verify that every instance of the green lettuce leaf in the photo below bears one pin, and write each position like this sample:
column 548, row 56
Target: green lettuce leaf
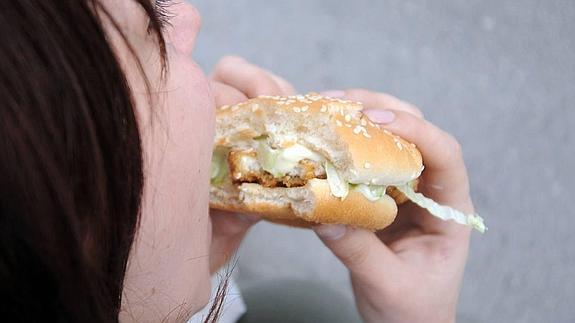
column 441, row 211
column 268, row 157
column 219, row 169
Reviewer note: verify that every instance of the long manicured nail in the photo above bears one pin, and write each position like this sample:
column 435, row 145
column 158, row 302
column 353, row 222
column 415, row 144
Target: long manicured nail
column 330, row 231
column 379, row 116
column 333, row 93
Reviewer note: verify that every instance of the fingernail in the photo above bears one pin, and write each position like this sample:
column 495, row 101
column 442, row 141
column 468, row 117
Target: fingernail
column 333, row 93
column 249, row 217
column 330, row 231
column 379, row 116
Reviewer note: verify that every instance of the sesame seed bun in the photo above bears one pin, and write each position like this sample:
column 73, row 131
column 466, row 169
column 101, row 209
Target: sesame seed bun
column 361, row 151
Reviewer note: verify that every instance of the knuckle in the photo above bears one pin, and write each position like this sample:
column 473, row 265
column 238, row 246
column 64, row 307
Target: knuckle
column 228, row 62
column 357, row 92
column 415, row 110
column 263, row 83
column 454, row 146
column 285, row 87
column 231, row 59
column 439, row 252
column 356, row 256
column 261, row 76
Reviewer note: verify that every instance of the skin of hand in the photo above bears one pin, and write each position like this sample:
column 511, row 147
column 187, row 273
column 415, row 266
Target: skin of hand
column 235, row 80
column 412, row 270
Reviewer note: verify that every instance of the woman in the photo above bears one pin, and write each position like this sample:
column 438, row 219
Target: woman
column 106, row 129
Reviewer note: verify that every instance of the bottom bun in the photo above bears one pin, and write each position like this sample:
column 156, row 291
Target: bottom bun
column 305, row 206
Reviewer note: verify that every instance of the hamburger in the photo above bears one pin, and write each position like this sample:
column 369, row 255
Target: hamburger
column 307, row 159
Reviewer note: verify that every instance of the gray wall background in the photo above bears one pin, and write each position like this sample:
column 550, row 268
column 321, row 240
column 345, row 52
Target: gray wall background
column 498, row 74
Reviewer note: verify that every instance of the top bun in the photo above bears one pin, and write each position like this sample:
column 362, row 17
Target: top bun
column 362, row 151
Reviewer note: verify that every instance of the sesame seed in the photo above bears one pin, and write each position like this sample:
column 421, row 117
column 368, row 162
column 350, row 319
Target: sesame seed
column 357, row 130
column 366, row 135
column 399, row 145
column 255, row 107
column 366, row 165
column 323, row 108
column 386, row 132
column 235, row 107
column 348, row 125
column 304, row 108
column 338, row 123
column 347, row 118
column 225, row 107
column 297, row 109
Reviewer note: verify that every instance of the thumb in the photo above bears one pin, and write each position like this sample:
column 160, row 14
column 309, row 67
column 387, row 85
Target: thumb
column 228, row 231
column 359, row 250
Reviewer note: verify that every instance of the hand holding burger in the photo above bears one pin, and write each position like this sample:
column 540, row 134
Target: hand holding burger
column 328, row 163
column 411, row 271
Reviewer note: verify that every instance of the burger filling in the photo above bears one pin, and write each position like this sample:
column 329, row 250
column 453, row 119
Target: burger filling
column 246, row 168
column 293, row 166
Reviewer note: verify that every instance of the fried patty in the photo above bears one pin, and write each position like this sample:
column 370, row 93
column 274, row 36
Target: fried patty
column 245, row 168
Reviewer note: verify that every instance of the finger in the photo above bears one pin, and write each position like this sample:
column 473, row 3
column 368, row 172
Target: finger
column 406, row 224
column 442, row 157
column 246, row 77
column 285, row 86
column 226, row 95
column 228, row 230
column 377, row 100
column 359, row 250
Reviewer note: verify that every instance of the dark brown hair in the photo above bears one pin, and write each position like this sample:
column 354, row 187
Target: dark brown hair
column 70, row 163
